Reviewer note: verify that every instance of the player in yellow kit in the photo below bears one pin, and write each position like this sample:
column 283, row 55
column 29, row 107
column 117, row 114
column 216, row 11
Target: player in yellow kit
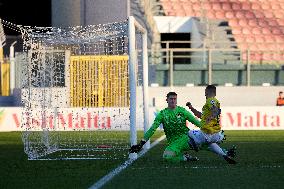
column 210, row 133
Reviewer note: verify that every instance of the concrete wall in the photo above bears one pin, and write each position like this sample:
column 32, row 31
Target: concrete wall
column 7, row 101
column 38, row 97
column 228, row 96
column 222, row 73
column 87, row 12
column 104, row 11
column 93, row 12
column 66, row 13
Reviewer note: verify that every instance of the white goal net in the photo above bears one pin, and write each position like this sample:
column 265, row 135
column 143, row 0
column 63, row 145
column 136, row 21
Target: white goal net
column 83, row 90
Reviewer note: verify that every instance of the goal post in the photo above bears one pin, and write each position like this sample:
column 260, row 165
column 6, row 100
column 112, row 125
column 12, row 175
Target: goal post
column 84, row 90
column 134, row 25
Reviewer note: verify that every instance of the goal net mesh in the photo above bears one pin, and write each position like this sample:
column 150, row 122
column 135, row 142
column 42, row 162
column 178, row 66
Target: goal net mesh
column 75, row 91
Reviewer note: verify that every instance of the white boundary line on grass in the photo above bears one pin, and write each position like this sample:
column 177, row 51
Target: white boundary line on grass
column 123, row 166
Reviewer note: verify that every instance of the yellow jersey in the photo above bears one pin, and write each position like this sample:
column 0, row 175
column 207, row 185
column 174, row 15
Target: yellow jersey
column 210, row 119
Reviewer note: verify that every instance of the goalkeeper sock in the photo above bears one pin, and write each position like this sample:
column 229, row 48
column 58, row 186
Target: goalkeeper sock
column 216, row 149
column 172, row 157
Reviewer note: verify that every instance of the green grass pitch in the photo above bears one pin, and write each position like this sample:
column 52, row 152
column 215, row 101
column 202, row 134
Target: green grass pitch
column 260, row 156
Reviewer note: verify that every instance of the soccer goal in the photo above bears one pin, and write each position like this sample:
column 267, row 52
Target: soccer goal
column 84, row 90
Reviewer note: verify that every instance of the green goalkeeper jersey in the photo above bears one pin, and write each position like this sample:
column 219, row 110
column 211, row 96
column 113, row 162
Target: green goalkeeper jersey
column 174, row 123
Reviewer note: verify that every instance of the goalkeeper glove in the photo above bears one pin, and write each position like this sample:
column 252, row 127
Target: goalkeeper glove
column 137, row 148
column 188, row 104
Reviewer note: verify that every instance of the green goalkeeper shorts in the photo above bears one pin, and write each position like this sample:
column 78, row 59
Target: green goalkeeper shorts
column 179, row 145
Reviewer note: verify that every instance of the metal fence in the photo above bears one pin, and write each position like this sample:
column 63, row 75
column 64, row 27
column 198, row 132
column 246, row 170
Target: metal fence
column 209, row 55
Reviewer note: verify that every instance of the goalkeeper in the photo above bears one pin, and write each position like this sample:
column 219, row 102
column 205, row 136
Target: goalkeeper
column 210, row 133
column 173, row 119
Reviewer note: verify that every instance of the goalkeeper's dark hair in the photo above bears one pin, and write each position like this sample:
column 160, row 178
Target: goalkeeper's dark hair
column 211, row 89
column 171, row 93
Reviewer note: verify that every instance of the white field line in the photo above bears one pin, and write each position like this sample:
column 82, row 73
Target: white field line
column 123, row 166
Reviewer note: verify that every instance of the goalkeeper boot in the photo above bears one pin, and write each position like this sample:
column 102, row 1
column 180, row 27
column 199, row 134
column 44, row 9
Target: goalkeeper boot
column 190, row 158
column 232, row 152
column 229, row 159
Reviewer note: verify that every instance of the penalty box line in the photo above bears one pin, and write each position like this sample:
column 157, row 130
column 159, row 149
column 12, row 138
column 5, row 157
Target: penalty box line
column 123, row 166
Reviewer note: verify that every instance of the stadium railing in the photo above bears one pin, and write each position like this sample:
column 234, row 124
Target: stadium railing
column 208, row 54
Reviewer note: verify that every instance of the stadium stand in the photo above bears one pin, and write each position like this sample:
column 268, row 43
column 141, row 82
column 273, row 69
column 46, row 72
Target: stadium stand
column 256, row 25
